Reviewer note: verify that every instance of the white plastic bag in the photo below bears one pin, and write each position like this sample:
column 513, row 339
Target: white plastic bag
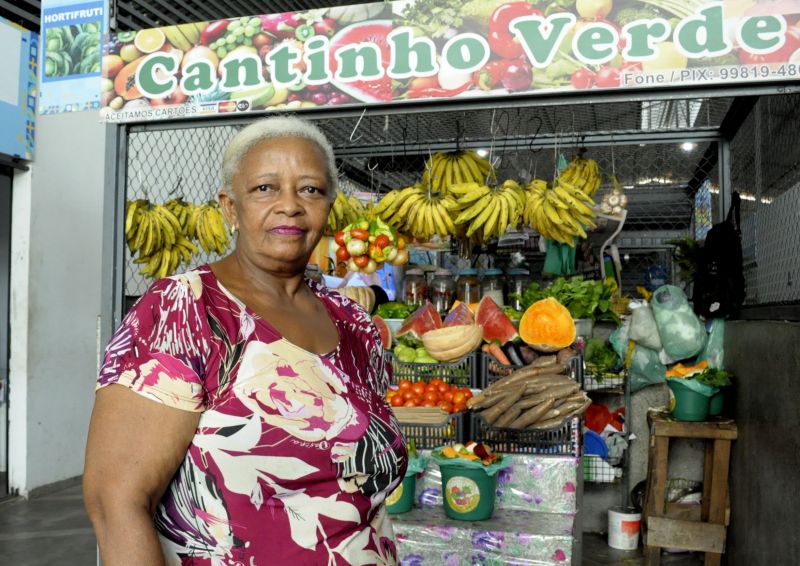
column 682, row 334
column 643, row 328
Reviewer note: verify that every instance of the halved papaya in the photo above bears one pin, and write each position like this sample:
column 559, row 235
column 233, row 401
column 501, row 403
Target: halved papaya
column 125, row 81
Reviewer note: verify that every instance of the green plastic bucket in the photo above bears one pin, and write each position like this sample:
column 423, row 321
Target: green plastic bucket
column 691, row 403
column 468, row 493
column 402, row 498
column 715, row 404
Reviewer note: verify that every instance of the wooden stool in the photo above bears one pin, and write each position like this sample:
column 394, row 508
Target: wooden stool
column 667, row 525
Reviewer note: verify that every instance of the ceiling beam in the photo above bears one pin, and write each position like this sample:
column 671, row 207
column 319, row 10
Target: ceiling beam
column 20, row 12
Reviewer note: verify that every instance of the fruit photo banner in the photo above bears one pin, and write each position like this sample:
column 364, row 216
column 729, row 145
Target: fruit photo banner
column 401, row 52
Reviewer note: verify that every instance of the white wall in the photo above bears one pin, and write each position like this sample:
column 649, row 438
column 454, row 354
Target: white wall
column 56, row 274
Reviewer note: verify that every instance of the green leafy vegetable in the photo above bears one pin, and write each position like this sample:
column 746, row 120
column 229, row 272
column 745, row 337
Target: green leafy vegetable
column 432, row 17
column 583, row 298
column 600, row 356
column 394, row 310
column 712, row 376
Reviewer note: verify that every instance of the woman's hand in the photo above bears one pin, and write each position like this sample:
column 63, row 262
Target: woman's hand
column 134, row 447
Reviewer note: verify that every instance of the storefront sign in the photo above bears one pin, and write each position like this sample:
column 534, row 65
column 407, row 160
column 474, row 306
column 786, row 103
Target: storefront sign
column 405, row 51
column 72, row 41
column 17, row 90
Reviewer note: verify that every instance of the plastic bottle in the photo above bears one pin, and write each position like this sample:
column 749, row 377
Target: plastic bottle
column 442, row 290
column 415, row 287
column 468, row 287
column 492, row 285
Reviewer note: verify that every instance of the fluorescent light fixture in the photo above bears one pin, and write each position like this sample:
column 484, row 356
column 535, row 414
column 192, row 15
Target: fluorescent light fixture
column 483, row 152
column 688, row 146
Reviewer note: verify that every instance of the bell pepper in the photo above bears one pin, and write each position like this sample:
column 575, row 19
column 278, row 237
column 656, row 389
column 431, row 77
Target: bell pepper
column 501, row 40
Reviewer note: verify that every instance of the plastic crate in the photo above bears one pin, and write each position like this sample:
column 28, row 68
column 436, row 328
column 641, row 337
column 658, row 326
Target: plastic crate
column 463, row 373
column 492, row 370
column 427, row 436
column 564, row 440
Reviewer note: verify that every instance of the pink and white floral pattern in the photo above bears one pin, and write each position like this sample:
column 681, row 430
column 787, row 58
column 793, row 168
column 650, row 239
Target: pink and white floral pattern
column 294, row 453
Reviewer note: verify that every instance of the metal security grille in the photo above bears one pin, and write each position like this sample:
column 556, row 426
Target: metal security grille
column 642, row 143
column 166, row 164
column 765, row 163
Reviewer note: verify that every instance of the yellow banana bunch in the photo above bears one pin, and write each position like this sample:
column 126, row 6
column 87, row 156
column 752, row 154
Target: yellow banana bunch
column 582, row 173
column 558, row 213
column 414, row 211
column 208, row 223
column 445, row 169
column 345, row 210
column 166, row 261
column 182, row 211
column 488, row 211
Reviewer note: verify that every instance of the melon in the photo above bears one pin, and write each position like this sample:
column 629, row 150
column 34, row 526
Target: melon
column 547, row 326
column 497, row 327
column 371, row 31
column 458, row 315
column 384, row 331
column 422, row 320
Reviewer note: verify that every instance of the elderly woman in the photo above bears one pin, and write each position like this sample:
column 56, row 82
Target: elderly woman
column 240, row 414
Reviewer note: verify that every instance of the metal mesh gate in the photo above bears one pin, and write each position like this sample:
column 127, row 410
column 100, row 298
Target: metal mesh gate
column 642, row 143
column 765, row 163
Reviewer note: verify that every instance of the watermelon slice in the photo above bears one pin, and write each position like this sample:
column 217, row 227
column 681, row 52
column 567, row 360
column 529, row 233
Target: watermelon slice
column 497, row 327
column 384, row 331
column 375, row 33
column 460, row 314
column 422, row 320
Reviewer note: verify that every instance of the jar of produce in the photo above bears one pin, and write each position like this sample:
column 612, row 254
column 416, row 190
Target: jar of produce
column 492, row 285
column 468, row 288
column 518, row 282
column 442, row 290
column 415, row 287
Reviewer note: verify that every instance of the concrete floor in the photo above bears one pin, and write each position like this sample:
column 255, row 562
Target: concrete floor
column 54, row 529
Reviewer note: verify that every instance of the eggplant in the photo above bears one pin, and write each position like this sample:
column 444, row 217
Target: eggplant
column 513, row 353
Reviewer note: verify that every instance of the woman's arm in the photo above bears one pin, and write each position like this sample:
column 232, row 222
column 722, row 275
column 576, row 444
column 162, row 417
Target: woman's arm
column 134, row 447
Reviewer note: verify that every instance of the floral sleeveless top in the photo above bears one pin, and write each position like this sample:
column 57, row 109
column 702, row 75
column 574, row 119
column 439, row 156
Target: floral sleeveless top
column 294, row 453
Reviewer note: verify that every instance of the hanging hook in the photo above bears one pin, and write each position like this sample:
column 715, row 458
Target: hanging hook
column 353, row 133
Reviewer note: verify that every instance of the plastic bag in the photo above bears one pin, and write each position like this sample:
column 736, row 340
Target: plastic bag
column 416, row 465
column 619, row 339
column 644, row 330
column 646, row 368
column 682, row 334
column 714, row 352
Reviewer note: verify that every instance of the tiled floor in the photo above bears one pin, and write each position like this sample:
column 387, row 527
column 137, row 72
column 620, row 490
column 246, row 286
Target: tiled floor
column 54, row 530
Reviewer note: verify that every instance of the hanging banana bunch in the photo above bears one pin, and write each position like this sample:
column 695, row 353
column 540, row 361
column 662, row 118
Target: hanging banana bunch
column 582, row 173
column 345, row 211
column 488, row 211
column 558, row 213
column 208, row 224
column 443, row 170
column 417, row 212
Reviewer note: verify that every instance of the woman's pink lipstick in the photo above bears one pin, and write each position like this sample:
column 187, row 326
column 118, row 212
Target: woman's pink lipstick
column 288, row 230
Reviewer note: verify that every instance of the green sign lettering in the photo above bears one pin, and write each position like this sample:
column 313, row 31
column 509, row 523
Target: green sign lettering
column 281, row 65
column 403, row 47
column 466, row 52
column 641, row 37
column 198, row 77
column 762, row 34
column 703, row 35
column 361, row 61
column 149, row 84
column 232, row 71
column 541, row 37
column 315, row 54
column 595, row 43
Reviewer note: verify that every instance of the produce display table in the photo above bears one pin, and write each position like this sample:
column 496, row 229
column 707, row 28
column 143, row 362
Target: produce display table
column 534, row 521
column 427, row 536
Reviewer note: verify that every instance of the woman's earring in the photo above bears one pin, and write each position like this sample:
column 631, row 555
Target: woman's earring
column 234, row 229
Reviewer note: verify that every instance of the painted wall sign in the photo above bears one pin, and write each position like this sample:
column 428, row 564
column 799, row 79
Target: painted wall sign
column 397, row 52
column 18, row 90
column 72, row 41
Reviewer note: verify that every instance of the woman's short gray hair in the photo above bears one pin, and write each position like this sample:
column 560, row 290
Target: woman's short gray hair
column 273, row 128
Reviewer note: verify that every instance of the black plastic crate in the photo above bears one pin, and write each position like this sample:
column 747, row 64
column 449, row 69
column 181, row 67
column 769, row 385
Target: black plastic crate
column 492, row 370
column 463, row 373
column 428, row 436
column 564, row 440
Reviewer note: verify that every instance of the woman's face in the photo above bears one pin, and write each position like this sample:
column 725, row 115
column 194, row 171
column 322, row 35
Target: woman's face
column 280, row 202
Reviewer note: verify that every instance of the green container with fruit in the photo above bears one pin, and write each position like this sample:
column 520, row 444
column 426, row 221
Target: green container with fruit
column 468, row 485
column 690, row 399
column 401, row 500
